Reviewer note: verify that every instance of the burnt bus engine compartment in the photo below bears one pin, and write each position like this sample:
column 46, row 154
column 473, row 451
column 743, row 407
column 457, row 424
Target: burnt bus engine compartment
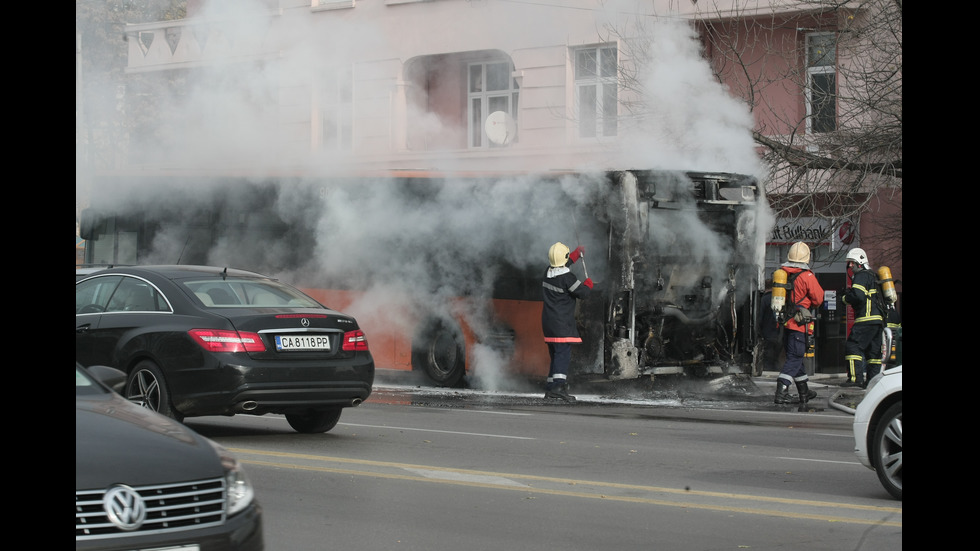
column 684, row 283
column 674, row 329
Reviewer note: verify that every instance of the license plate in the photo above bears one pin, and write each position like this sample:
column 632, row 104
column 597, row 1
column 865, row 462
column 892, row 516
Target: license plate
column 302, row 342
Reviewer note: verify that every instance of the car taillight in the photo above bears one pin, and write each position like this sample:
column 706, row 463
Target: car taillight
column 216, row 340
column 355, row 340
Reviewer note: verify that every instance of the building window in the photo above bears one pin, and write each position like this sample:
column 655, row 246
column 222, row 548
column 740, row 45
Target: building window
column 491, row 87
column 596, row 90
column 335, row 101
column 821, row 85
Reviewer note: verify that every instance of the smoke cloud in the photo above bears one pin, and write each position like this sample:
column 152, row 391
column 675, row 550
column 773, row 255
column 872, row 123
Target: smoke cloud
column 407, row 252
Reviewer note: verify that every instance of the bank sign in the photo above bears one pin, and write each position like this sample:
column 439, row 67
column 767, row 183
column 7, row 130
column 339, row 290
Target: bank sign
column 813, row 231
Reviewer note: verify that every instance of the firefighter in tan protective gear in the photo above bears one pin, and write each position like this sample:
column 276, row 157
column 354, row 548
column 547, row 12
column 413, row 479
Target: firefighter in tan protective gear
column 803, row 297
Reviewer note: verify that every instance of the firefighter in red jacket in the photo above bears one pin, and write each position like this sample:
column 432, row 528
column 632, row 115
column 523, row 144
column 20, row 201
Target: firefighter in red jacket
column 806, row 293
column 560, row 288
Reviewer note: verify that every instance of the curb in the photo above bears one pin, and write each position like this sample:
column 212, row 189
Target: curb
column 828, row 379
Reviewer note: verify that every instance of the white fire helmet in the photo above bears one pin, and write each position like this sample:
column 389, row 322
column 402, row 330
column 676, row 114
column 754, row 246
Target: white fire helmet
column 858, row 256
column 799, row 252
column 558, row 255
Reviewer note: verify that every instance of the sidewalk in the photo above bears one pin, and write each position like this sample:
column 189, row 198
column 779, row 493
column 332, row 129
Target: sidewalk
column 825, row 379
column 840, row 398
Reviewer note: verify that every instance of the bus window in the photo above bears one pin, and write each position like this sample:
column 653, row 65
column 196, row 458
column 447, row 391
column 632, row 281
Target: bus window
column 109, row 239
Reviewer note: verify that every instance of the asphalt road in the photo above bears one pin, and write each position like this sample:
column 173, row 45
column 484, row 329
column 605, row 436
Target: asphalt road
column 418, row 468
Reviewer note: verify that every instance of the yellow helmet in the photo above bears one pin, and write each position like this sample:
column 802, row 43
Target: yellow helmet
column 799, row 252
column 558, row 255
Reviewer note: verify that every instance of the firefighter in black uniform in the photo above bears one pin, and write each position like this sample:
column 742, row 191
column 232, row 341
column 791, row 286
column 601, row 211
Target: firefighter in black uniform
column 561, row 288
column 862, row 349
column 893, row 319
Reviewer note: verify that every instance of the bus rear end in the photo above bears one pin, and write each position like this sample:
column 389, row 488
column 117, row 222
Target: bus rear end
column 683, row 277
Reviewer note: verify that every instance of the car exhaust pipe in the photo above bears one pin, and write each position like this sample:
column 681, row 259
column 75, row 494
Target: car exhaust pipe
column 248, row 405
column 356, row 402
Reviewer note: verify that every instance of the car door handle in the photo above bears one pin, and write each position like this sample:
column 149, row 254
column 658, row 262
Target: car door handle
column 83, row 328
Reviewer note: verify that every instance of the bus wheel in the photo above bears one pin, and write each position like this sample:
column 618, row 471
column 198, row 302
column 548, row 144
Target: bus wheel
column 314, row 421
column 438, row 350
column 147, row 388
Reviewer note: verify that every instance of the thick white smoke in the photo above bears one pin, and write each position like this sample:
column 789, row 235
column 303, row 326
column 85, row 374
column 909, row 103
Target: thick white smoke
column 685, row 115
column 408, row 252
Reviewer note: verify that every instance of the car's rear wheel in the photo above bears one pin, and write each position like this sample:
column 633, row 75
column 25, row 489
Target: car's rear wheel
column 439, row 351
column 886, row 452
column 314, row 421
column 146, row 387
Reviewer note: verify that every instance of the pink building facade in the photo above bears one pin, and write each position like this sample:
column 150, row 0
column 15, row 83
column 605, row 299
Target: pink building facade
column 322, row 86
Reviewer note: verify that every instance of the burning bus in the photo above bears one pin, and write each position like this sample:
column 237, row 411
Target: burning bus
column 444, row 270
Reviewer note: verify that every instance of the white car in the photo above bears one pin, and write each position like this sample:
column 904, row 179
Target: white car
column 878, row 424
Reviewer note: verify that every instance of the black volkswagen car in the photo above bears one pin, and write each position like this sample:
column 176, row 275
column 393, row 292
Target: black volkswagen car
column 145, row 481
column 200, row 340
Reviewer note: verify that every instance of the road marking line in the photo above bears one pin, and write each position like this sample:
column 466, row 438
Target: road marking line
column 566, row 481
column 821, row 460
column 440, row 431
column 794, row 514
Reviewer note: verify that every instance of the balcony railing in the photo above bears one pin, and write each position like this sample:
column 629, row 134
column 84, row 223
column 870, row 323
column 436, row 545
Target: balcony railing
column 183, row 43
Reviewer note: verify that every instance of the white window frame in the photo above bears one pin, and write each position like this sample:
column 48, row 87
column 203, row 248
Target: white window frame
column 333, row 126
column 480, row 101
column 820, row 63
column 596, row 91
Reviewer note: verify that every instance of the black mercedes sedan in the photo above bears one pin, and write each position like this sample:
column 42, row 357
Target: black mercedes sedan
column 201, row 340
column 145, row 481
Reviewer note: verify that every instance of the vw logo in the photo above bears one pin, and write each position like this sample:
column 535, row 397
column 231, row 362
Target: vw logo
column 304, row 322
column 125, row 507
